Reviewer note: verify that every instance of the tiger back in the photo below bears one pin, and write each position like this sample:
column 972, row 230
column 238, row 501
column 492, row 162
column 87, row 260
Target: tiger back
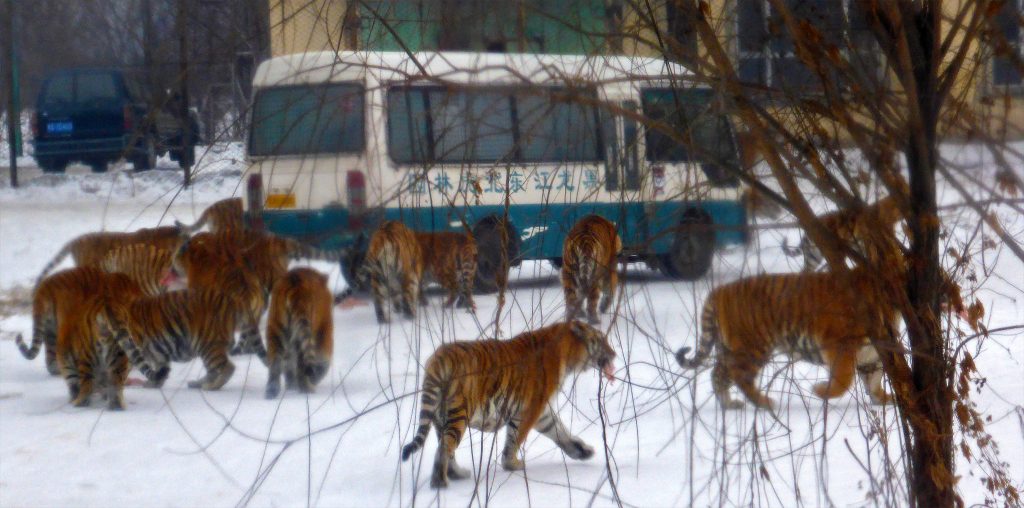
column 52, row 300
column 824, row 318
column 450, row 259
column 589, row 262
column 224, row 215
column 491, row 384
column 300, row 331
column 91, row 248
column 394, row 266
column 181, row 325
column 145, row 264
column 87, row 351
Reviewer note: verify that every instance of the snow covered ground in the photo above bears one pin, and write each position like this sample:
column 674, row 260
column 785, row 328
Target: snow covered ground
column 666, row 441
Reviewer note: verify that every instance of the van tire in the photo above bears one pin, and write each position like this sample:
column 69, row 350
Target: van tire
column 492, row 264
column 693, row 247
column 144, row 157
column 98, row 165
column 52, row 165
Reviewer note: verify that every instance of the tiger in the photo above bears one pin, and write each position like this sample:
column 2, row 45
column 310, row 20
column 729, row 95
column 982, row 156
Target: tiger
column 489, row 384
column 88, row 351
column 200, row 260
column 394, row 267
column 52, row 301
column 589, row 259
column 826, row 318
column 205, row 264
column 179, row 326
column 846, row 225
column 224, row 215
column 450, row 258
column 90, row 249
column 145, row 264
column 300, row 331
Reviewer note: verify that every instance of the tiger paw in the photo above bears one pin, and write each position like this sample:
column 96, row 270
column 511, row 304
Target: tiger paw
column 81, row 401
column 732, row 404
column 437, row 482
column 578, row 450
column 512, row 464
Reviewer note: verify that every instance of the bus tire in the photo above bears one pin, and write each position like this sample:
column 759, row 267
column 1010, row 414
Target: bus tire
column 692, row 248
column 492, row 263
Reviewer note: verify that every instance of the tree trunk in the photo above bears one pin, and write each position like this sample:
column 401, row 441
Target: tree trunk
column 931, row 453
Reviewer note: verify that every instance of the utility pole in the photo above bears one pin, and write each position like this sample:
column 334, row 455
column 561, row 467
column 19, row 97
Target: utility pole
column 187, row 150
column 13, row 115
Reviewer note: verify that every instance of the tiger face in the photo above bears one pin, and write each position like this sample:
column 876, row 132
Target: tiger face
column 491, row 384
column 589, row 262
column 394, row 266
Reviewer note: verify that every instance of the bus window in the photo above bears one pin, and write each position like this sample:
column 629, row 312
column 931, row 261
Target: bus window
column 430, row 124
column 554, row 129
column 298, row 120
column 708, row 135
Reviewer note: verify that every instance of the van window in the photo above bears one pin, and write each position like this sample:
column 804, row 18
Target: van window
column 59, row 93
column 299, row 120
column 431, row 124
column 98, row 89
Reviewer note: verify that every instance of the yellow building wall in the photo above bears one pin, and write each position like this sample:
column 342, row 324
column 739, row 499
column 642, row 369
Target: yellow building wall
column 298, row 26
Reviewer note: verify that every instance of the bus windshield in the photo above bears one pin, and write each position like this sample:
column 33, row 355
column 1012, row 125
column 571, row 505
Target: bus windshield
column 299, row 120
column 707, row 134
column 487, row 125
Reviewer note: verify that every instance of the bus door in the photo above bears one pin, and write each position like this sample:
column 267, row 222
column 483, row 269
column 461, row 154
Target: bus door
column 627, row 181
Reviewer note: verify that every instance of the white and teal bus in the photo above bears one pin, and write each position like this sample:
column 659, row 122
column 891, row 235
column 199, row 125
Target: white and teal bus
column 340, row 141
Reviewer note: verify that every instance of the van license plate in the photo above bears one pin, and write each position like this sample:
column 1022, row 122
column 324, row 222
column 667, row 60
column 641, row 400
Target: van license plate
column 59, row 127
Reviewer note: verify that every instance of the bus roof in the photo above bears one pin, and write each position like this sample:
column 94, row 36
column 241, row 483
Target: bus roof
column 462, row 68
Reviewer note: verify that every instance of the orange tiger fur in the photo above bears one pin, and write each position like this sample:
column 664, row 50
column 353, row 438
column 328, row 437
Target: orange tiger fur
column 224, row 215
column 204, row 262
column 179, row 326
column 143, row 263
column 490, row 384
column 88, row 351
column 450, row 258
column 589, row 266
column 300, row 331
column 53, row 300
column 394, row 266
column 850, row 226
column 90, row 248
column 821, row 317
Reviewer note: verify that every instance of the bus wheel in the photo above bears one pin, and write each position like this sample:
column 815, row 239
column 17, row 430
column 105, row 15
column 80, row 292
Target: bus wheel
column 556, row 262
column 692, row 249
column 350, row 265
column 492, row 262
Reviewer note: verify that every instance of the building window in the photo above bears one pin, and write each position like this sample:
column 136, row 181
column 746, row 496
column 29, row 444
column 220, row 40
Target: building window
column 1005, row 67
column 680, row 24
column 767, row 54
